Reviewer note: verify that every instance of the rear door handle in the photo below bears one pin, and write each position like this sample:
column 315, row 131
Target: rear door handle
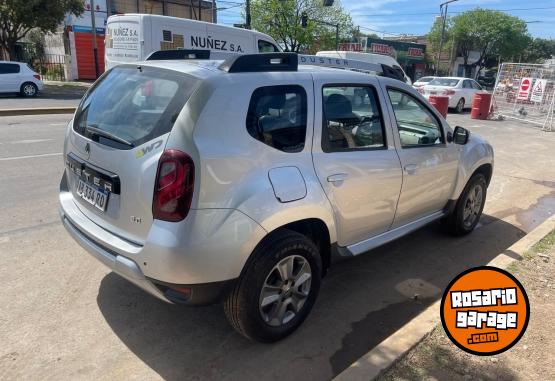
column 410, row 168
column 338, row 177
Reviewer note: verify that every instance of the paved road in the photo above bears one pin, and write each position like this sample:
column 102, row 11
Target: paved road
column 65, row 316
column 51, row 96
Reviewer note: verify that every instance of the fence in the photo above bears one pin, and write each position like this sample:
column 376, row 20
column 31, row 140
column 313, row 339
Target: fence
column 526, row 92
column 50, row 66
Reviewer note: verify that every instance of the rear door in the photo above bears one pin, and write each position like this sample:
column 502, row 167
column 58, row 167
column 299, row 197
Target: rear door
column 355, row 158
column 119, row 132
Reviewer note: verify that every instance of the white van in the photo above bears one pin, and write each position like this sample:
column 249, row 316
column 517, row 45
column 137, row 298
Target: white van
column 367, row 57
column 133, row 37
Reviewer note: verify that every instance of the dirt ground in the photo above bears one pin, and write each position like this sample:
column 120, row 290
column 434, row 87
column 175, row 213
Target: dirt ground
column 437, row 358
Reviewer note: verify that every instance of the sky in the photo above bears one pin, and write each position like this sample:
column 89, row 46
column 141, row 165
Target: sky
column 395, row 17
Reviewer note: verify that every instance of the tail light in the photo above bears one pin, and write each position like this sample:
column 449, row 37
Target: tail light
column 449, row 92
column 173, row 190
column 37, row 76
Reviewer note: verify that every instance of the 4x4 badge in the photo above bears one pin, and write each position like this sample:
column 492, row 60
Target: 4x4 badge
column 143, row 151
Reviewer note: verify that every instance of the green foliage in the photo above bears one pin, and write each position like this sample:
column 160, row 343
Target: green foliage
column 538, row 51
column 18, row 17
column 281, row 19
column 491, row 33
column 434, row 36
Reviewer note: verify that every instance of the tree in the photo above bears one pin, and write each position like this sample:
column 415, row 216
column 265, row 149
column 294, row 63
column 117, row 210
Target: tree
column 490, row 33
column 538, row 51
column 281, row 19
column 434, row 37
column 19, row 17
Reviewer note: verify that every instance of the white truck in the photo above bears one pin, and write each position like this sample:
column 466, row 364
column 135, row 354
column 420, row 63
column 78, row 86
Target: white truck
column 369, row 58
column 133, row 37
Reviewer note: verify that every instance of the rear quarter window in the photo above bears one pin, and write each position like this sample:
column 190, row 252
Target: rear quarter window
column 134, row 104
column 277, row 117
column 9, row 68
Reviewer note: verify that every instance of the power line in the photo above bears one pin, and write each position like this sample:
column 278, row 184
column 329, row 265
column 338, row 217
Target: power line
column 437, row 13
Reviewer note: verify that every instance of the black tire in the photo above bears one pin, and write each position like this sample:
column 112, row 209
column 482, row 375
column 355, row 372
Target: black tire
column 29, row 90
column 460, row 106
column 455, row 222
column 243, row 305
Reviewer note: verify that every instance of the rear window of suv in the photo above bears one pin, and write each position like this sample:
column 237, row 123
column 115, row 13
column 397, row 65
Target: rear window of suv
column 133, row 104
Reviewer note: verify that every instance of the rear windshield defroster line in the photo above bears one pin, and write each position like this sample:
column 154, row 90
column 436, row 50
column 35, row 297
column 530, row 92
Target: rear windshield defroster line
column 133, row 104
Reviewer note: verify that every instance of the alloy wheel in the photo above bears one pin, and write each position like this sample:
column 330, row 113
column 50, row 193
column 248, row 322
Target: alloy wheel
column 29, row 90
column 285, row 290
column 473, row 205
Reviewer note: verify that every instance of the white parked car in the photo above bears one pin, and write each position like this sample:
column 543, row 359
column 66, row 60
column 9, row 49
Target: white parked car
column 18, row 77
column 459, row 90
column 422, row 81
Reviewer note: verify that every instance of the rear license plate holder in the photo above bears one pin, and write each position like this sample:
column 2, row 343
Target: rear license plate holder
column 95, row 196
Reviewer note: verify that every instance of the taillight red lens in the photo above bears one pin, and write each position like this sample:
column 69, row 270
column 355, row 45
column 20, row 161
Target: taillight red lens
column 449, row 92
column 173, row 189
column 36, row 76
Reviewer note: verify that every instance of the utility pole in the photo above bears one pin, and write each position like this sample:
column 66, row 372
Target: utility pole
column 95, row 47
column 444, row 16
column 248, row 14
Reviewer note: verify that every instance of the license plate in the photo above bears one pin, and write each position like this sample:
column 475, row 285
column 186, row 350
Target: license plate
column 93, row 195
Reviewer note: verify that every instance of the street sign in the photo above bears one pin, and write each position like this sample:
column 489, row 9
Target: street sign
column 524, row 89
column 538, row 90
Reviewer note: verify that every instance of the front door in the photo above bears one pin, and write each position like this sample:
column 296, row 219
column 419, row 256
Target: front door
column 355, row 159
column 429, row 163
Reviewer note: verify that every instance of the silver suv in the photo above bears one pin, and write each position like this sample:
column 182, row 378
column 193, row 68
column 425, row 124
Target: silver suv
column 238, row 180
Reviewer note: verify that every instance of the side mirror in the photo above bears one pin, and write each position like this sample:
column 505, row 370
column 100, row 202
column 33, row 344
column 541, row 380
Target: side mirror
column 461, row 135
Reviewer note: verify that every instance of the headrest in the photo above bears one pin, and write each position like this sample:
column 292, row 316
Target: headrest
column 338, row 107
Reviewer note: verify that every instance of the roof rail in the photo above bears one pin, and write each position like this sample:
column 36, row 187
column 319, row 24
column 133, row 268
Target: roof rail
column 278, row 61
column 248, row 63
column 179, row 54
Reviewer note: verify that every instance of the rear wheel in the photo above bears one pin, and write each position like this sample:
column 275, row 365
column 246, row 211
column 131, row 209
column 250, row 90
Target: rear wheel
column 28, row 89
column 277, row 288
column 460, row 106
column 464, row 218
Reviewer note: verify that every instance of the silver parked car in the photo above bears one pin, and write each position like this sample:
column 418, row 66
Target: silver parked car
column 207, row 180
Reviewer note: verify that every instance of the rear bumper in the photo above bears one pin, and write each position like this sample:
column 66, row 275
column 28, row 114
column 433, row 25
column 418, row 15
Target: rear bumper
column 195, row 294
column 190, row 255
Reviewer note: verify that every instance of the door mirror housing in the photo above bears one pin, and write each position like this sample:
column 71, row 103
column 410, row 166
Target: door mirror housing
column 461, row 135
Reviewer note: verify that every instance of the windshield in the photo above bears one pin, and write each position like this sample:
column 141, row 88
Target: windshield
column 448, row 82
column 133, row 104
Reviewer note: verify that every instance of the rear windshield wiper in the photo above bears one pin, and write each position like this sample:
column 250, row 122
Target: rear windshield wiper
column 97, row 131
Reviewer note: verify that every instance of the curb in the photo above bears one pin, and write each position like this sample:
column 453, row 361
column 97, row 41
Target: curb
column 391, row 349
column 37, row 111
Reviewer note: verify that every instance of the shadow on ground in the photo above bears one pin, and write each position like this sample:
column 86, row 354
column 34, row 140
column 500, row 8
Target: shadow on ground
column 363, row 300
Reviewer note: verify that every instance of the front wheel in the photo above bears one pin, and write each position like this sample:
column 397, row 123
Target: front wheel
column 277, row 289
column 464, row 218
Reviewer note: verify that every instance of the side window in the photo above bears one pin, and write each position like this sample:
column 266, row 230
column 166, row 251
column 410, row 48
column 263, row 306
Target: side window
column 416, row 124
column 351, row 119
column 277, row 117
column 7, row 68
column 266, row 47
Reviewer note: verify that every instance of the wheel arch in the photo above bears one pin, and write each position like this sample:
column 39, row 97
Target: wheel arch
column 314, row 229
